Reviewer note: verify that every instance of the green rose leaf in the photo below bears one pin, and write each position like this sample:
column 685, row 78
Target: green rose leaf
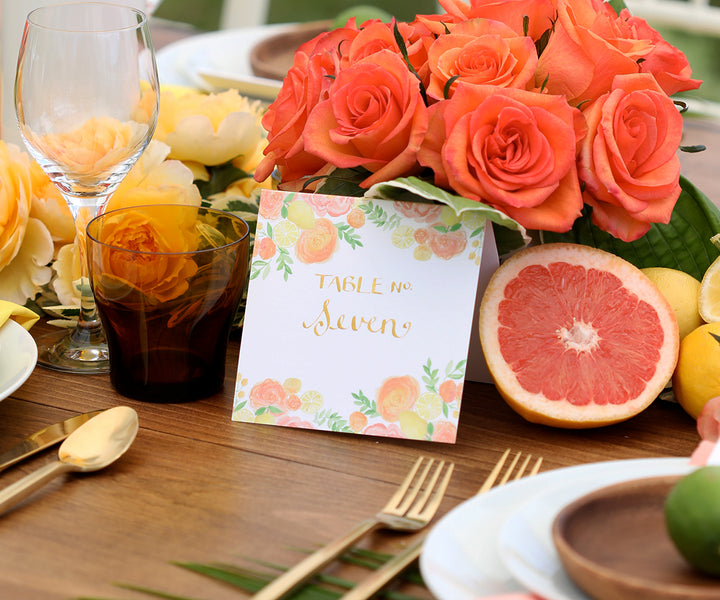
column 510, row 236
column 683, row 244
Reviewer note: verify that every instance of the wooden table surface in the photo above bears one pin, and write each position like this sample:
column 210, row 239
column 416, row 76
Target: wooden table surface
column 196, row 486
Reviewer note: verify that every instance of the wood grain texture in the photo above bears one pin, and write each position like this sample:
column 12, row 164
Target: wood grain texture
column 197, row 486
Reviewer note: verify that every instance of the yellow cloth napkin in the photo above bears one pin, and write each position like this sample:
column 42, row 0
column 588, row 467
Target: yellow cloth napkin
column 20, row 314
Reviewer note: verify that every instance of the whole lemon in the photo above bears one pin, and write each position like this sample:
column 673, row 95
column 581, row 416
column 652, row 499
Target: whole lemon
column 692, row 516
column 697, row 375
column 681, row 290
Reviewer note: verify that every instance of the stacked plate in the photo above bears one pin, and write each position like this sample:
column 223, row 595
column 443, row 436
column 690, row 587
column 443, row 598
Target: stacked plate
column 502, row 541
column 18, row 356
column 251, row 60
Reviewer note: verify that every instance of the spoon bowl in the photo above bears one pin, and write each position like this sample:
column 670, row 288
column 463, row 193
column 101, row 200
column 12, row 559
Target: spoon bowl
column 94, row 445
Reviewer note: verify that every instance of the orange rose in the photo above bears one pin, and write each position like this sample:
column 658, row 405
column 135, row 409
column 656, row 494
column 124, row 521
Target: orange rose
column 306, row 84
column 356, row 218
column 629, row 161
column 446, row 244
column 127, row 259
column 267, row 393
column 396, row 395
column 481, row 51
column 540, row 14
column 448, row 390
column 357, row 421
column 444, row 431
column 265, row 248
column 271, row 204
column 589, row 45
column 317, row 244
column 421, row 212
column 375, row 118
column 509, row 148
column 665, row 62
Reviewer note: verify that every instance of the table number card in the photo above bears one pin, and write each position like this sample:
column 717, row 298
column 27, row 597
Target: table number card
column 359, row 316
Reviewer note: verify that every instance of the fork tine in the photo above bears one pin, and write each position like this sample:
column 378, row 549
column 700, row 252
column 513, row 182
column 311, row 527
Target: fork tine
column 401, row 499
column 430, row 501
column 490, row 480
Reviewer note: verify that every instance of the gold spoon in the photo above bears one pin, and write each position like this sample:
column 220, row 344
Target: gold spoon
column 92, row 446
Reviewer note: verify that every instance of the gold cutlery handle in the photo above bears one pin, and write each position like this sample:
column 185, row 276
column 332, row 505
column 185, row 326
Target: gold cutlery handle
column 22, row 488
column 305, row 569
column 381, row 577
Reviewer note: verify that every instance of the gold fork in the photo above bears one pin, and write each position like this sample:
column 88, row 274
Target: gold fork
column 391, row 569
column 405, row 511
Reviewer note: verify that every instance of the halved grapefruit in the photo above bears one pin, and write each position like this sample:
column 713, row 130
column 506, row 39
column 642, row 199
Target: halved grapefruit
column 576, row 337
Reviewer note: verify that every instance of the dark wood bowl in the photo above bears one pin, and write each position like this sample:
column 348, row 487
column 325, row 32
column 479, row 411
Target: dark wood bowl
column 613, row 543
column 273, row 57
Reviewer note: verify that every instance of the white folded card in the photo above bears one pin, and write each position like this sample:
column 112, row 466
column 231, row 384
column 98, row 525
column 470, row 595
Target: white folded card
column 359, row 315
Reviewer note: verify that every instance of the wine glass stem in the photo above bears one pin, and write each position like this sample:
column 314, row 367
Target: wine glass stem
column 89, row 329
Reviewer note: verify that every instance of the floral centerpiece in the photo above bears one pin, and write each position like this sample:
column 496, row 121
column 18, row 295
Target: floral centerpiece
column 555, row 113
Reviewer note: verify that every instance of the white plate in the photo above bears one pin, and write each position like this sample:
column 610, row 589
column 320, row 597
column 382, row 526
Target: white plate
column 223, row 55
column 461, row 559
column 18, row 355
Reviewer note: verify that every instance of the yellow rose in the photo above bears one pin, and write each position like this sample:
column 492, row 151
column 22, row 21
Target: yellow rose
column 25, row 243
column 50, row 207
column 161, row 276
column 211, row 129
column 152, row 180
column 95, row 147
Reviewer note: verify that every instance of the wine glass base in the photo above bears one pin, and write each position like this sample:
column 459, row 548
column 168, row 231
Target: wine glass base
column 59, row 351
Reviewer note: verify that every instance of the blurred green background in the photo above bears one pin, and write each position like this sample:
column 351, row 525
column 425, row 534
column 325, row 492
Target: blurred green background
column 702, row 50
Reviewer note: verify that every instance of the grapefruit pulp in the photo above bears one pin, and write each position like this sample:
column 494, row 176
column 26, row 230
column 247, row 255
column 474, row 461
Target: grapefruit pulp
column 576, row 337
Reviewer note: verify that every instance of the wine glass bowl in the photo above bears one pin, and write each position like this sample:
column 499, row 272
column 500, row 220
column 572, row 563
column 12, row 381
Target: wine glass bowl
column 86, row 97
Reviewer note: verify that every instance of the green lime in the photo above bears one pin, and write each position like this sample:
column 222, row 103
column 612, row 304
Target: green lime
column 362, row 13
column 692, row 515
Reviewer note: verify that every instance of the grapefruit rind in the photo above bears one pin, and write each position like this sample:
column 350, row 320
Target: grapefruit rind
column 537, row 408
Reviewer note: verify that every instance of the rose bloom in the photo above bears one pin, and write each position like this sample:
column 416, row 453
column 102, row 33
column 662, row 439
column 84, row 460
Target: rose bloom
column 155, row 265
column 357, row 421
column 210, row 129
column 422, row 212
column 95, row 147
column 152, row 180
column 267, row 393
column 446, row 244
column 509, row 148
column 540, row 13
column 330, row 204
column 26, row 245
column 317, row 244
column 293, row 421
column 50, row 207
column 666, row 63
column 265, row 248
column 448, row 390
column 397, row 394
column 628, row 161
column 375, row 117
column 589, row 45
column 482, row 52
column 381, row 429
column 444, row 431
column 306, row 84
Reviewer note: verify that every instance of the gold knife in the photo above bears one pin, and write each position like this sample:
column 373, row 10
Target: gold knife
column 43, row 439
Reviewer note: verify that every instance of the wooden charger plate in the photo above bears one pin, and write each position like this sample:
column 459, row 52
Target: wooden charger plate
column 273, row 57
column 613, row 543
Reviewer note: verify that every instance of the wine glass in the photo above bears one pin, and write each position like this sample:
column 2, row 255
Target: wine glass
column 86, row 97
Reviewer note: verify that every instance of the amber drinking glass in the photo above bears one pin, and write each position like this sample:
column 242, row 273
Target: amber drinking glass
column 167, row 281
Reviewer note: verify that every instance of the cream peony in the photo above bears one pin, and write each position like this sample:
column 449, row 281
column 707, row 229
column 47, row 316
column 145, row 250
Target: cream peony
column 210, row 129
